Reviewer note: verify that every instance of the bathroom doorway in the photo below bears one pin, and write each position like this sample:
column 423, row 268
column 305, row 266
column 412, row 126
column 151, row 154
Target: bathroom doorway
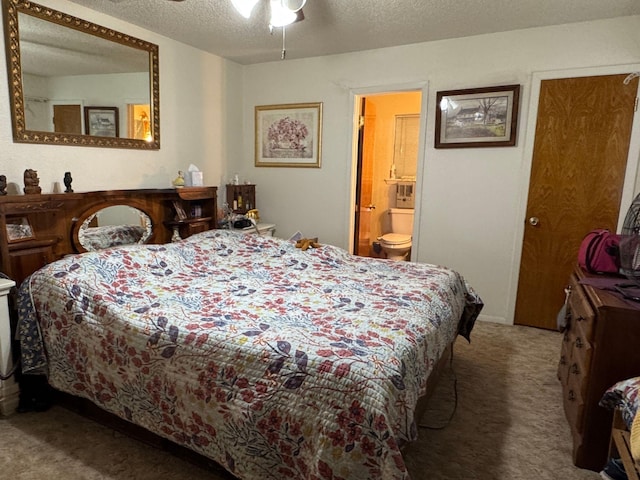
column 386, row 154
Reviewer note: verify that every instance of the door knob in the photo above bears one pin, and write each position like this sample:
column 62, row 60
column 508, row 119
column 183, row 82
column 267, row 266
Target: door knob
column 534, row 221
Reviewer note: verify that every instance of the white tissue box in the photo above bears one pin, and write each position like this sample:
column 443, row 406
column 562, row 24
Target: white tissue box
column 196, row 179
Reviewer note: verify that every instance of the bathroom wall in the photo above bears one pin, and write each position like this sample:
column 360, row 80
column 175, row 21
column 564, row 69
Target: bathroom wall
column 386, row 107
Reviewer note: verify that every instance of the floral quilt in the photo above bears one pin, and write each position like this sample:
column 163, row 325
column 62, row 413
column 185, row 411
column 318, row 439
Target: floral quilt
column 273, row 361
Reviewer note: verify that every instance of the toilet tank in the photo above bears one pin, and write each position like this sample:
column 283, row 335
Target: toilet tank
column 401, row 220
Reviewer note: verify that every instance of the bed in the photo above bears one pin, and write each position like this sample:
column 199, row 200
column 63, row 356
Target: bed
column 272, row 361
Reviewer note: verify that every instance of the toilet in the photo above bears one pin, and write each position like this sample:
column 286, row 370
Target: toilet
column 397, row 243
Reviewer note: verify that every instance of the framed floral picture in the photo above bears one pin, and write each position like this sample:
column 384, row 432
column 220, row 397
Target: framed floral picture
column 477, row 117
column 288, row 135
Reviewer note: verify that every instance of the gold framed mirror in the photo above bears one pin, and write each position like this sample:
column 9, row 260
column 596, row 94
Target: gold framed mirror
column 64, row 72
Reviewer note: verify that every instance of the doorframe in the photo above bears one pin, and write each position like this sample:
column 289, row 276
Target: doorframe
column 630, row 177
column 355, row 94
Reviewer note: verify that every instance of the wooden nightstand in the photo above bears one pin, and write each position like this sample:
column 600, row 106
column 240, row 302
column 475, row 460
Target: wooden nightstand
column 9, row 390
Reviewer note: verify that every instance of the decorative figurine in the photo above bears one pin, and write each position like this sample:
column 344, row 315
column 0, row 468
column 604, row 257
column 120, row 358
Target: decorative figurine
column 67, row 182
column 31, row 182
column 3, row 184
column 179, row 181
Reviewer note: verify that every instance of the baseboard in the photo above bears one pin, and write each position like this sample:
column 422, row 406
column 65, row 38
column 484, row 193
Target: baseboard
column 491, row 319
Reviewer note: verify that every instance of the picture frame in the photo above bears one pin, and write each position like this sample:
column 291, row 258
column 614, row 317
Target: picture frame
column 180, row 212
column 477, row 117
column 19, row 229
column 102, row 121
column 288, row 135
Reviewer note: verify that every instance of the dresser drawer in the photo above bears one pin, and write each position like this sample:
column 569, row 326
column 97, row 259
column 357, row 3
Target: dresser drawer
column 573, row 405
column 581, row 352
column 580, row 312
column 565, row 358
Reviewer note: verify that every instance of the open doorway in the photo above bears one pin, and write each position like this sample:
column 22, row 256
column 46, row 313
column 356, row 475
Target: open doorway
column 386, row 169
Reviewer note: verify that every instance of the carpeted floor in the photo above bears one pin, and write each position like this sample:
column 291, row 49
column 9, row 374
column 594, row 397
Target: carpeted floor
column 509, row 424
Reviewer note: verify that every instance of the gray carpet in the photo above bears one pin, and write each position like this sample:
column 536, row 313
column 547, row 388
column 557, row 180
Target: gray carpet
column 509, row 424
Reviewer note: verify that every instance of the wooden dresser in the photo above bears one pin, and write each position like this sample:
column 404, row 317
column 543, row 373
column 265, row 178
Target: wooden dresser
column 600, row 347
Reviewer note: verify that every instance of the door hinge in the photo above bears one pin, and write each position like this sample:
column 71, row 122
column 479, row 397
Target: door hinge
column 635, row 107
column 361, row 118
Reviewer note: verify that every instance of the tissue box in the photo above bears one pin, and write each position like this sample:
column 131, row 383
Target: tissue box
column 196, row 179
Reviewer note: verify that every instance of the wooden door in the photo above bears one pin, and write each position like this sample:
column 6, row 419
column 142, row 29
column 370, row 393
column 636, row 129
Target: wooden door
column 67, row 119
column 580, row 153
column 364, row 182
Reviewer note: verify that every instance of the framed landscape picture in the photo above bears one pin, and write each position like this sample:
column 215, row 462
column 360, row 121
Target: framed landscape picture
column 288, row 135
column 477, row 117
column 19, row 229
column 101, row 121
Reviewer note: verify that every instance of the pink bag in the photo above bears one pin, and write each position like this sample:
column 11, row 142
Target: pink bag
column 600, row 252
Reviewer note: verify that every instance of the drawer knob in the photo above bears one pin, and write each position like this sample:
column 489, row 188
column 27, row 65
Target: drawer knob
column 571, row 395
column 574, row 369
column 579, row 343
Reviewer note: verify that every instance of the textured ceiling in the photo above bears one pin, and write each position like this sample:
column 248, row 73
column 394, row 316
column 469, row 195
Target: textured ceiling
column 339, row 26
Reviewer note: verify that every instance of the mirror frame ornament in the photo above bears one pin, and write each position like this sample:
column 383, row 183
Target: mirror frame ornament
column 11, row 9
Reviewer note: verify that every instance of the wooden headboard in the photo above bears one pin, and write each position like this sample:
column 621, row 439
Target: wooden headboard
column 38, row 229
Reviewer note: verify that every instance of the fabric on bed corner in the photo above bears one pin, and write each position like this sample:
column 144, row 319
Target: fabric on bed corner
column 624, row 395
column 32, row 355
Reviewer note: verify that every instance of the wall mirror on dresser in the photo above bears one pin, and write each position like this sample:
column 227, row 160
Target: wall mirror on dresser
column 72, row 82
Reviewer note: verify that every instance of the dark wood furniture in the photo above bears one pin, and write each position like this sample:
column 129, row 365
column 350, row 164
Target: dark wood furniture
column 600, row 347
column 54, row 220
column 241, row 198
column 197, row 206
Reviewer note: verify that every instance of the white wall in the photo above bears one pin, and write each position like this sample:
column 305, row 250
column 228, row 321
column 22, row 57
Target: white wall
column 471, row 199
column 471, row 202
column 197, row 90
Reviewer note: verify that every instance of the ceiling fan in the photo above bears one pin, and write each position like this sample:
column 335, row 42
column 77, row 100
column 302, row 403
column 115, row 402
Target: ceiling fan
column 283, row 13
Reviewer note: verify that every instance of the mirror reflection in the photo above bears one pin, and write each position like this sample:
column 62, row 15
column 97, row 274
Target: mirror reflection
column 76, row 83
column 114, row 226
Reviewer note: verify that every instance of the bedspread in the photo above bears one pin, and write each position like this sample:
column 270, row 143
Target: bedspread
column 275, row 362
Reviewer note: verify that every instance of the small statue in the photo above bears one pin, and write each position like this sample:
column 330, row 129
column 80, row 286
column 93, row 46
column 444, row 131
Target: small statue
column 179, row 181
column 67, row 182
column 31, row 182
column 3, row 184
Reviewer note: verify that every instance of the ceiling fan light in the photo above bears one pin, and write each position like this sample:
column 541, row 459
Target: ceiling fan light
column 244, row 7
column 281, row 15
